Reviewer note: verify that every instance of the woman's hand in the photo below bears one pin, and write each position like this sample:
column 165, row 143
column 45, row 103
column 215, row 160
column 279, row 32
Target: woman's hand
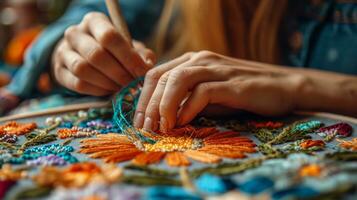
column 175, row 92
column 94, row 59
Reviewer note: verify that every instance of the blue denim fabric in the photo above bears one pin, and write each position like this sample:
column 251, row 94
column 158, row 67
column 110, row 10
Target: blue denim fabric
column 141, row 16
column 328, row 35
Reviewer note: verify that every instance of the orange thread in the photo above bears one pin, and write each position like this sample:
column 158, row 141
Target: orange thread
column 14, row 128
column 351, row 145
column 312, row 143
column 206, row 145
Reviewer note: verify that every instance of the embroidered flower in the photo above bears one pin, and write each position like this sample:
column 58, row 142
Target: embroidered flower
column 307, row 144
column 14, row 128
column 339, row 129
column 207, row 145
column 8, row 173
column 351, row 145
column 75, row 132
column 78, row 175
column 311, row 170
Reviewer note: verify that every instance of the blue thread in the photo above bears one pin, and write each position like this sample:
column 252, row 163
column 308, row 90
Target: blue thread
column 256, row 185
column 211, row 184
column 124, row 110
column 298, row 192
column 169, row 192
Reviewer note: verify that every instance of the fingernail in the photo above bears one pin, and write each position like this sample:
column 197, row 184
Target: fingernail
column 148, row 124
column 163, row 124
column 149, row 62
column 138, row 120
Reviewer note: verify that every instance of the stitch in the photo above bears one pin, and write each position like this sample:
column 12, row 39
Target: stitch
column 8, row 173
column 41, row 138
column 78, row 175
column 196, row 143
column 350, row 145
column 49, row 160
column 8, row 138
column 14, row 128
column 310, row 170
column 75, row 132
column 296, row 131
column 339, row 129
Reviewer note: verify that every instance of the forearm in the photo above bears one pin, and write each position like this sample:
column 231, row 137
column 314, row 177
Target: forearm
column 325, row 91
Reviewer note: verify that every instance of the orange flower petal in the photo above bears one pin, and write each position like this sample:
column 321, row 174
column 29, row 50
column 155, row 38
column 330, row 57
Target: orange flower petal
column 204, row 132
column 176, row 159
column 221, row 135
column 244, row 149
column 121, row 157
column 147, row 158
column 224, row 153
column 235, row 140
column 202, row 156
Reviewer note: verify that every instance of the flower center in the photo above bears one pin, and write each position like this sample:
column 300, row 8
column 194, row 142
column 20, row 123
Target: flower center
column 169, row 144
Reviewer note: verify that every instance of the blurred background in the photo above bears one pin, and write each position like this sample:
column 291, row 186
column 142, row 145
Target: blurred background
column 20, row 22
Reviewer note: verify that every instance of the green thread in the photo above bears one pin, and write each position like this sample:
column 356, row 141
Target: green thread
column 42, row 138
column 263, row 135
column 33, row 192
column 296, row 131
column 7, row 145
column 342, row 156
column 149, row 180
column 150, row 170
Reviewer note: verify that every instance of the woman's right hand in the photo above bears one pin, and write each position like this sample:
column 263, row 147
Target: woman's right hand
column 95, row 59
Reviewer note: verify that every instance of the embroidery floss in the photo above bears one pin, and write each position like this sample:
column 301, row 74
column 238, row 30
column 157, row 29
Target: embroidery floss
column 8, row 173
column 75, row 132
column 14, row 128
column 310, row 170
column 49, row 160
column 8, row 138
column 339, row 129
column 351, row 145
column 296, row 131
column 206, row 145
column 78, row 175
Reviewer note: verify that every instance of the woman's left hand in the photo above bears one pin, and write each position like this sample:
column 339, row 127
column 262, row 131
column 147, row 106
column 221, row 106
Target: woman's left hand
column 175, row 92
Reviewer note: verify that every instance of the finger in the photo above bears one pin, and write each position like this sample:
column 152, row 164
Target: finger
column 104, row 32
column 152, row 111
column 151, row 79
column 202, row 95
column 179, row 83
column 73, row 83
column 146, row 54
column 98, row 57
column 83, row 70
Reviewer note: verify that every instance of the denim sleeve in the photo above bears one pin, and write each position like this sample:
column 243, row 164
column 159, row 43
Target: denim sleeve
column 141, row 15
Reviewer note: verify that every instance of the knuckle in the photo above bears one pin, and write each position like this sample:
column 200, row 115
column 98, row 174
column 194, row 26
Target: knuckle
column 108, row 37
column 163, row 107
column 179, row 75
column 202, row 55
column 152, row 108
column 189, row 54
column 204, row 89
column 69, row 31
column 79, row 85
column 78, row 67
column 90, row 16
column 153, row 75
column 95, row 55
column 163, row 79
